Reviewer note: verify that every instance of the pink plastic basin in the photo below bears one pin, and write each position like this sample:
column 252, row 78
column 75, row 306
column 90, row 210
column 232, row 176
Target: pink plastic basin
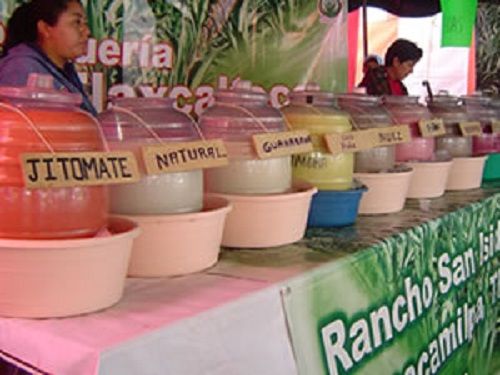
column 386, row 191
column 259, row 221
column 56, row 278
column 466, row 173
column 179, row 244
column 428, row 179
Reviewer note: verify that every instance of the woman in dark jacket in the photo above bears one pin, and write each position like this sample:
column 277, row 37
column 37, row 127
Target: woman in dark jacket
column 46, row 36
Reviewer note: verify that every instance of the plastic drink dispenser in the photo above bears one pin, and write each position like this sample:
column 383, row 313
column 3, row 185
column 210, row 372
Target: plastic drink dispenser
column 479, row 108
column 367, row 112
column 407, row 110
column 36, row 119
column 236, row 115
column 315, row 111
column 131, row 123
column 450, row 109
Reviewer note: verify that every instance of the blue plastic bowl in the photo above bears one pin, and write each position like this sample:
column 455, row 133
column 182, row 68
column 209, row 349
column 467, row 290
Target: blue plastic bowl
column 335, row 208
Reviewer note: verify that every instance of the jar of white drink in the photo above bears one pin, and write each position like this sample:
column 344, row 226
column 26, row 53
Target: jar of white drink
column 132, row 123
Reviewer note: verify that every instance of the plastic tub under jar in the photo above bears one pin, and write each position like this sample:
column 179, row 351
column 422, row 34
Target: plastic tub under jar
column 466, row 173
column 315, row 111
column 131, row 123
column 47, row 278
column 367, row 112
column 260, row 221
column 335, row 208
column 452, row 112
column 429, row 178
column 172, row 245
column 407, row 110
column 387, row 192
column 37, row 118
column 236, row 115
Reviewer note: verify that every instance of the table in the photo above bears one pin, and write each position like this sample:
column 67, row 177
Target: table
column 281, row 310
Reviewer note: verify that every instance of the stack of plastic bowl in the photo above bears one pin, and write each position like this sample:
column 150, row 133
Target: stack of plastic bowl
column 50, row 238
column 376, row 168
column 482, row 109
column 466, row 171
column 337, row 200
column 169, row 207
column 430, row 172
column 267, row 209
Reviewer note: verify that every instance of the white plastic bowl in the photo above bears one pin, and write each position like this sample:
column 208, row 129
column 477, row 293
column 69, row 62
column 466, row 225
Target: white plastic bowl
column 179, row 244
column 259, row 221
column 56, row 278
column 466, row 173
column 386, row 191
column 429, row 179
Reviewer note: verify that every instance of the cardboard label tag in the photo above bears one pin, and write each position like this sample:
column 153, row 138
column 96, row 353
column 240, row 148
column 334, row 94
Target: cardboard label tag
column 470, row 128
column 432, row 128
column 65, row 169
column 391, row 135
column 184, row 156
column 272, row 145
column 338, row 143
column 495, row 127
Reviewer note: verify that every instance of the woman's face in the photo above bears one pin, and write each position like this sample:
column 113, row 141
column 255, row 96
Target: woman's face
column 67, row 39
column 403, row 69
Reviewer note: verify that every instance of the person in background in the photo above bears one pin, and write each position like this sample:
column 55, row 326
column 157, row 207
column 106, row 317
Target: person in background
column 46, row 36
column 400, row 58
column 371, row 62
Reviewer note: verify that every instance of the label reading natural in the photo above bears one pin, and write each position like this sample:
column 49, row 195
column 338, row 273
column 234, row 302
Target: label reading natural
column 44, row 170
column 184, row 156
column 470, row 128
column 391, row 135
column 432, row 128
column 338, row 143
column 495, row 127
column 272, row 145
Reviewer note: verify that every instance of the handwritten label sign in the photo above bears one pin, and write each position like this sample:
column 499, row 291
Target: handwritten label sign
column 349, row 142
column 432, row 128
column 44, row 170
column 495, row 127
column 272, row 145
column 470, row 128
column 184, row 156
column 391, row 135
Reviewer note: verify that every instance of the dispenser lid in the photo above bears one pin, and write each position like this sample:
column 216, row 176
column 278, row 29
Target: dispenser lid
column 311, row 93
column 443, row 98
column 244, row 92
column 40, row 87
column 138, row 119
column 358, row 98
column 240, row 112
column 400, row 99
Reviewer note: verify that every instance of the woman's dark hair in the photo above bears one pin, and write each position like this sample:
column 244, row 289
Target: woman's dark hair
column 404, row 50
column 22, row 26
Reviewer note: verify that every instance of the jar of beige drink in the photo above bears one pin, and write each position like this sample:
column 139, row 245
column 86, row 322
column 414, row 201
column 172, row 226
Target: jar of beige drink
column 236, row 115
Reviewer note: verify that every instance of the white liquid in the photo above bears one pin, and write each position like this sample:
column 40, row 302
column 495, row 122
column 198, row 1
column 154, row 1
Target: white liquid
column 159, row 194
column 251, row 176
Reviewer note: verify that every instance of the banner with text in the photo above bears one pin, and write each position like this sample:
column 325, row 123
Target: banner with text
column 421, row 302
column 185, row 49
